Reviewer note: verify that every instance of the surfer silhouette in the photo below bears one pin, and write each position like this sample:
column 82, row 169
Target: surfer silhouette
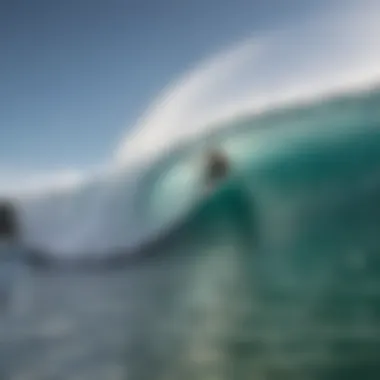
column 9, row 234
column 217, row 168
column 8, row 222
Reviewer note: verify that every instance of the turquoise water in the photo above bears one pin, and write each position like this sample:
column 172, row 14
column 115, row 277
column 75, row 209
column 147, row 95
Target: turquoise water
column 275, row 275
column 299, row 221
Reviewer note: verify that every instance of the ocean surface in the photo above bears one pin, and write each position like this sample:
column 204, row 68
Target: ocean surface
column 272, row 275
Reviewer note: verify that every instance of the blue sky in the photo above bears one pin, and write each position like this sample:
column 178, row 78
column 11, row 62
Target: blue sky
column 76, row 73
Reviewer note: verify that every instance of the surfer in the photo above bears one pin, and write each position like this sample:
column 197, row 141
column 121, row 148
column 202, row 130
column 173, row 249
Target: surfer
column 9, row 232
column 8, row 223
column 217, row 168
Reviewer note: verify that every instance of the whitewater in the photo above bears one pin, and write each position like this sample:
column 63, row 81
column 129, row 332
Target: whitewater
column 274, row 275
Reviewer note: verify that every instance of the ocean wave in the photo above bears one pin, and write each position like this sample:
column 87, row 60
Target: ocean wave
column 327, row 55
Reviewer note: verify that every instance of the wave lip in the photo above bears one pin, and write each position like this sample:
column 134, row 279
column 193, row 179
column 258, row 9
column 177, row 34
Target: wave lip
column 323, row 55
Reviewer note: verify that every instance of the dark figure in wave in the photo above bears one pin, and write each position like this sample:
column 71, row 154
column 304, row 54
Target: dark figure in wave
column 9, row 229
column 9, row 248
column 217, row 168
